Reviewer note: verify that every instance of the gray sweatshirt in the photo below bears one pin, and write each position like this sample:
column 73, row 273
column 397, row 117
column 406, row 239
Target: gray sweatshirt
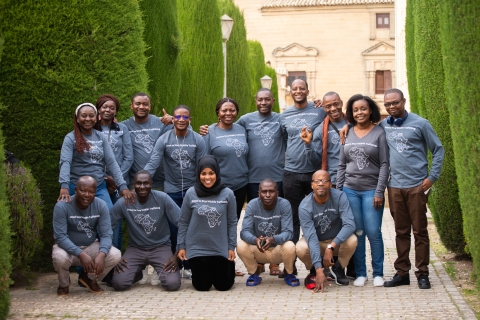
column 74, row 228
column 147, row 222
column 180, row 156
column 292, row 121
column 266, row 155
column 276, row 223
column 231, row 149
column 121, row 145
column 208, row 225
column 74, row 165
column 364, row 162
column 331, row 220
column 408, row 152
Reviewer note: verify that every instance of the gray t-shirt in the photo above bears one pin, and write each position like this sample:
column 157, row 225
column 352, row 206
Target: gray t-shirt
column 121, row 145
column 180, row 156
column 292, row 121
column 364, row 162
column 408, row 152
column 314, row 150
column 276, row 223
column 74, row 165
column 144, row 136
column 266, row 155
column 331, row 220
column 208, row 225
column 74, row 228
column 147, row 222
column 231, row 149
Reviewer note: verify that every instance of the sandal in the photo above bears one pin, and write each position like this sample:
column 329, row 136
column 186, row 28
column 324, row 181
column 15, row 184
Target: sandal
column 274, row 269
column 253, row 280
column 291, row 280
column 239, row 273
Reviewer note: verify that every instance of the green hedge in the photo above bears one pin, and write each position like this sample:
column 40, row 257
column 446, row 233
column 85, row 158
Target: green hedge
column 238, row 65
column 163, row 40
column 269, row 71
column 57, row 55
column 257, row 67
column 459, row 30
column 443, row 201
column 201, row 59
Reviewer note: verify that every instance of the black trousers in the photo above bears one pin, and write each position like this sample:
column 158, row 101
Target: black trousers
column 212, row 270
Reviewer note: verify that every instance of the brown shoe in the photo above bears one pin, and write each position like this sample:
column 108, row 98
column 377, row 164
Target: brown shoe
column 90, row 284
column 274, row 269
column 62, row 291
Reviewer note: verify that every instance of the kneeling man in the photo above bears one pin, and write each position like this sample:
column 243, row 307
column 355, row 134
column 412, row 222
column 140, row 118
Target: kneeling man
column 266, row 233
column 327, row 223
column 75, row 225
column 149, row 242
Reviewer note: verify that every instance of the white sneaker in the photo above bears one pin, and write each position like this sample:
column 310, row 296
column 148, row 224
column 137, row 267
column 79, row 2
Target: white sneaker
column 378, row 281
column 187, row 274
column 360, row 281
column 154, row 278
column 145, row 276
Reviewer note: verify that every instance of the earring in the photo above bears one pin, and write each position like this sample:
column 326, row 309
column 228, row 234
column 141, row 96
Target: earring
column 99, row 117
column 115, row 118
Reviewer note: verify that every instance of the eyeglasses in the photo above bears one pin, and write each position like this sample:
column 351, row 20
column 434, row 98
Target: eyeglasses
column 323, row 181
column 393, row 103
column 329, row 106
column 178, row 117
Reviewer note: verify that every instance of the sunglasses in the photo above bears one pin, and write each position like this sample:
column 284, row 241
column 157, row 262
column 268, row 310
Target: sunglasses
column 178, row 117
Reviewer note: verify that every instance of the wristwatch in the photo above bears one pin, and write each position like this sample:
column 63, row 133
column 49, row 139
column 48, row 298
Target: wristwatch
column 330, row 247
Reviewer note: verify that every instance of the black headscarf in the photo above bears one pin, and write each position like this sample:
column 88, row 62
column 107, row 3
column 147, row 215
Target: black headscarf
column 208, row 162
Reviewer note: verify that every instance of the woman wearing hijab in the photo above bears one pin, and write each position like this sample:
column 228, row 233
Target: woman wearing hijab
column 207, row 229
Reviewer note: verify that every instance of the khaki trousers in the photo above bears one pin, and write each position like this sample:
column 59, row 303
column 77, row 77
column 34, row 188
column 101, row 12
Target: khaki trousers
column 251, row 256
column 344, row 252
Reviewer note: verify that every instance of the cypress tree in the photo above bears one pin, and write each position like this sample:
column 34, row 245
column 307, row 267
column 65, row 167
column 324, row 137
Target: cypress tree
column 269, row 71
column 459, row 30
column 238, row 64
column 201, row 59
column 57, row 55
column 257, row 67
column 410, row 57
column 444, row 201
column 163, row 65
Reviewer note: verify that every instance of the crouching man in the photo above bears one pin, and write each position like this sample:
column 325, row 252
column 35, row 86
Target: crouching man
column 266, row 234
column 75, row 225
column 149, row 242
column 327, row 223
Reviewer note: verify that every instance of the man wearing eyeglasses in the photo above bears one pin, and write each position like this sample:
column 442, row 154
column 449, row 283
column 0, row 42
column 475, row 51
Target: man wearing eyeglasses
column 328, row 226
column 408, row 137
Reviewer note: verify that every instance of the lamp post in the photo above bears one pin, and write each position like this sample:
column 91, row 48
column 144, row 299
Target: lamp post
column 266, row 82
column 227, row 25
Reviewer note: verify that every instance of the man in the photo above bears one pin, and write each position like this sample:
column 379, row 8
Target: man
column 149, row 234
column 266, row 233
column 76, row 225
column 298, row 170
column 328, row 227
column 408, row 137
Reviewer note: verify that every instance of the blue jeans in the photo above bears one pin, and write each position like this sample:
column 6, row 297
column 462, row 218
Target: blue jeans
column 368, row 222
column 117, row 232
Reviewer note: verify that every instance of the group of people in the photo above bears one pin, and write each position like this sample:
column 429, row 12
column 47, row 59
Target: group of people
column 187, row 191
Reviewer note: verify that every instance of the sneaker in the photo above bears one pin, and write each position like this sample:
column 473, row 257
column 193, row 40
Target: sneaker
column 360, row 281
column 423, row 282
column 351, row 274
column 145, row 276
column 328, row 275
column 309, row 282
column 338, row 273
column 397, row 280
column 187, row 274
column 154, row 280
column 378, row 281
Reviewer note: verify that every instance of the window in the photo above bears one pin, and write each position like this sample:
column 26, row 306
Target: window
column 383, row 81
column 293, row 75
column 383, row 20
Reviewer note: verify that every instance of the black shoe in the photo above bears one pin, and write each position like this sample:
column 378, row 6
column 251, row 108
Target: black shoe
column 313, row 271
column 284, row 273
column 397, row 281
column 338, row 274
column 423, row 282
column 351, row 274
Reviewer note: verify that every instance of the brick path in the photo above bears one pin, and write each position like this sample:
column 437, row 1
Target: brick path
column 272, row 299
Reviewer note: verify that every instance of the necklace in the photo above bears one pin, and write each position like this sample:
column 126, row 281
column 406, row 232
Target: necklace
column 180, row 154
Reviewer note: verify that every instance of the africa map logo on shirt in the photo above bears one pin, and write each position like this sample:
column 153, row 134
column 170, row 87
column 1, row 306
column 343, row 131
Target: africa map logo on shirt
column 360, row 156
column 335, row 138
column 265, row 133
column 83, row 226
column 268, row 228
column 96, row 154
column 399, row 139
column 146, row 221
column 146, row 140
column 212, row 215
column 239, row 146
column 299, row 124
column 183, row 157
column 324, row 223
column 113, row 143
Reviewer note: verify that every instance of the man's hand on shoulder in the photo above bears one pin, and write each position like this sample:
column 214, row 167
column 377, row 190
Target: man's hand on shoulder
column 203, row 131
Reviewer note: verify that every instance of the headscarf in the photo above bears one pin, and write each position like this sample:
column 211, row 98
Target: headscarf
column 208, row 161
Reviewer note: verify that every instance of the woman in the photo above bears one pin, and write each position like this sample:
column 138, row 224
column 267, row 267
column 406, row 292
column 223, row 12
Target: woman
column 207, row 229
column 363, row 173
column 227, row 141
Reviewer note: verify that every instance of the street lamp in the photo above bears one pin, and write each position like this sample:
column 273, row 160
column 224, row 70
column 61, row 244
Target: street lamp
column 266, row 82
column 227, row 25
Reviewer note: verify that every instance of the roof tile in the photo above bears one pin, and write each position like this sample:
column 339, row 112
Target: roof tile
column 317, row 3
